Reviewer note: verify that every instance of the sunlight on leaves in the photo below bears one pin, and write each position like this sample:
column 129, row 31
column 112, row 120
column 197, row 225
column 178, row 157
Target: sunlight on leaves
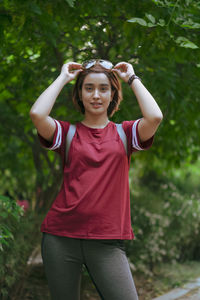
column 184, row 42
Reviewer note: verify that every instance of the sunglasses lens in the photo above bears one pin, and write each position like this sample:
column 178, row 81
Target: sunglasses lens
column 88, row 64
column 106, row 64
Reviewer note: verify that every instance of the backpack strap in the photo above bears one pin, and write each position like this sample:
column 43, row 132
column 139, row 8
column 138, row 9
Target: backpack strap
column 122, row 135
column 69, row 137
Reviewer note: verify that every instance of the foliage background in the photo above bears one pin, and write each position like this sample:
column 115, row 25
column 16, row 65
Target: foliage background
column 161, row 39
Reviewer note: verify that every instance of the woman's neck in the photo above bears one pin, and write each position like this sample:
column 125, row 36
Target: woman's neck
column 97, row 122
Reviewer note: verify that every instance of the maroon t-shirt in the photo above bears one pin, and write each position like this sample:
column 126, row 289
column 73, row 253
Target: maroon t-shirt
column 94, row 201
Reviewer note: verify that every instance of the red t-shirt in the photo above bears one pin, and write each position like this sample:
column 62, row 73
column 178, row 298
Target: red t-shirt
column 94, row 201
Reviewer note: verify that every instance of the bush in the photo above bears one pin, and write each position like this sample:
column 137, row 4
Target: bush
column 10, row 216
column 166, row 223
column 16, row 243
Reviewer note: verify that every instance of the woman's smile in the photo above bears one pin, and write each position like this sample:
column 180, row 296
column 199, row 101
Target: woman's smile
column 96, row 104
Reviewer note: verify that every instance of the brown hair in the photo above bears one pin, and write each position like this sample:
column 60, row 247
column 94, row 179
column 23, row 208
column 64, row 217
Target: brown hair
column 115, row 86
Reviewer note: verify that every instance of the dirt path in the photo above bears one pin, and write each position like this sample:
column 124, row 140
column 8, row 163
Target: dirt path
column 189, row 291
column 192, row 295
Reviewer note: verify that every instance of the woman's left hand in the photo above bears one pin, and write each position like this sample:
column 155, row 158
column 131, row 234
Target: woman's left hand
column 124, row 70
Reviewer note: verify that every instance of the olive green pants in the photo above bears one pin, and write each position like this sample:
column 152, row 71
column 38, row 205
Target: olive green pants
column 105, row 261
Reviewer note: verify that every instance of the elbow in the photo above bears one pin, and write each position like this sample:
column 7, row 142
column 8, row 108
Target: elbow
column 158, row 118
column 34, row 115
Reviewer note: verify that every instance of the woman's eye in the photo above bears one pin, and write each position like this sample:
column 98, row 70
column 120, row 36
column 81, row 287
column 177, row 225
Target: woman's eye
column 88, row 89
column 103, row 89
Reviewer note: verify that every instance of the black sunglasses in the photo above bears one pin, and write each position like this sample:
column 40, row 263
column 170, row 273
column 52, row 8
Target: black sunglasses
column 104, row 63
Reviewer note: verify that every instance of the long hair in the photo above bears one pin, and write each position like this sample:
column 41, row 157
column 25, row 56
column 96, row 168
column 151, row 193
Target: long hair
column 115, row 87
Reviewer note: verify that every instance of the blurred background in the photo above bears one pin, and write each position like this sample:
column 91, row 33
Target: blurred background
column 161, row 39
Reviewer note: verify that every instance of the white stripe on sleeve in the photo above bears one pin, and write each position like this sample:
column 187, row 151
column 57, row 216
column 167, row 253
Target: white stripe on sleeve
column 58, row 137
column 135, row 142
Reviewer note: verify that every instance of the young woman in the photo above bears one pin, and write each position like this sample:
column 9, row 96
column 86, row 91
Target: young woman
column 90, row 218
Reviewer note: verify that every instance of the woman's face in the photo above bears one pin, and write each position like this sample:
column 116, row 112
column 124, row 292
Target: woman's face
column 96, row 93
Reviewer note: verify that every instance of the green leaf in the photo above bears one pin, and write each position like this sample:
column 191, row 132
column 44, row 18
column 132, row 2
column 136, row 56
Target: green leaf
column 157, row 2
column 151, row 18
column 138, row 20
column 70, row 2
column 190, row 25
column 151, row 25
column 161, row 22
column 184, row 42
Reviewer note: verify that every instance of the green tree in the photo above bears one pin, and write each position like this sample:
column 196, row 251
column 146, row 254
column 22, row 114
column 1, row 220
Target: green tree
column 161, row 39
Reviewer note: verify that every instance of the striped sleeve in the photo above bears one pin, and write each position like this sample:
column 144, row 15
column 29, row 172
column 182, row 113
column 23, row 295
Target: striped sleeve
column 59, row 139
column 135, row 136
column 133, row 139
column 137, row 145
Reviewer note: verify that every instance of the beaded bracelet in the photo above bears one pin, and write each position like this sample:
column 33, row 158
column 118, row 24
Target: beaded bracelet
column 132, row 77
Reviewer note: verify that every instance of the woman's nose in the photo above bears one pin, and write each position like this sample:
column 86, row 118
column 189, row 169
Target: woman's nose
column 96, row 93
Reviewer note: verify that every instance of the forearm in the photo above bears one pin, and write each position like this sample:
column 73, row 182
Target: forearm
column 43, row 105
column 149, row 108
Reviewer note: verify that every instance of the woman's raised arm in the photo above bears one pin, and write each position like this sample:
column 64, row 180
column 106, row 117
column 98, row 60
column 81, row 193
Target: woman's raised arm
column 41, row 109
column 152, row 115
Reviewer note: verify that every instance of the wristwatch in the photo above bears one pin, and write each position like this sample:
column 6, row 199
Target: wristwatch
column 132, row 77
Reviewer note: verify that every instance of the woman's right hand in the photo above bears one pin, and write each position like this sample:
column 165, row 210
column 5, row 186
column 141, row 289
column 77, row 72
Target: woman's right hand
column 71, row 70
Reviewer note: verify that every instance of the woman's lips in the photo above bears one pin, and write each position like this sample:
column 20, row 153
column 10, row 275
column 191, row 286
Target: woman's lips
column 96, row 105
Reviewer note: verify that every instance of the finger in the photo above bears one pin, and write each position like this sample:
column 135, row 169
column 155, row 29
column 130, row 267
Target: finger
column 74, row 74
column 78, row 71
column 116, row 71
column 74, row 63
column 74, row 71
column 122, row 68
column 120, row 64
column 74, row 66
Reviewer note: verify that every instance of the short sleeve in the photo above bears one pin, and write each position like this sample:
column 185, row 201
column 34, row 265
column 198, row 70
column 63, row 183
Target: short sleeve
column 59, row 139
column 133, row 139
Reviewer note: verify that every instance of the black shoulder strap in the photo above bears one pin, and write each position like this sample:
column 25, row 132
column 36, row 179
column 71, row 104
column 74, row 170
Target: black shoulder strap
column 72, row 130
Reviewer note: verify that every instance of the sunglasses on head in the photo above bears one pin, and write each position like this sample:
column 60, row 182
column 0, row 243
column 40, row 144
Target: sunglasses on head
column 104, row 63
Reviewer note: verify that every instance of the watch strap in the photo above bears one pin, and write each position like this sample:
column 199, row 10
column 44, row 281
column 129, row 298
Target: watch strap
column 132, row 77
